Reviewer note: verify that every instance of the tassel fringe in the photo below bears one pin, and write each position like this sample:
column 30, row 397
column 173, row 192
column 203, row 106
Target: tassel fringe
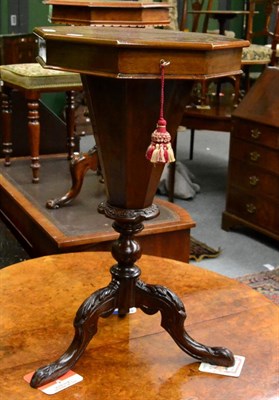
column 160, row 149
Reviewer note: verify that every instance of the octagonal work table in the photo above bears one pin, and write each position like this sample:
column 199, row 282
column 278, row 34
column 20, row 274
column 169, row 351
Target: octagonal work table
column 121, row 74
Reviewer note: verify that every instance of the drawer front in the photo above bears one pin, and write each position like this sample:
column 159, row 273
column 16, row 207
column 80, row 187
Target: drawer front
column 254, row 180
column 256, row 210
column 256, row 155
column 256, row 133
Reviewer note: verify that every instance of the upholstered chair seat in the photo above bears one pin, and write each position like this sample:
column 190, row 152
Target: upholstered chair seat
column 32, row 79
column 256, row 53
column 33, row 76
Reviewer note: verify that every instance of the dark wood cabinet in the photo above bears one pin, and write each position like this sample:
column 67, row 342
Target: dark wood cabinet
column 253, row 179
column 18, row 48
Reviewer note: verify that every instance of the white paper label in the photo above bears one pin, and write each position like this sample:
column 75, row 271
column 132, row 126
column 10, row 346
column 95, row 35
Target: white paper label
column 233, row 371
column 65, row 381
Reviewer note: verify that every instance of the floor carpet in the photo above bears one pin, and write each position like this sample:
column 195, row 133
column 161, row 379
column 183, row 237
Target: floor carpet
column 266, row 283
column 199, row 250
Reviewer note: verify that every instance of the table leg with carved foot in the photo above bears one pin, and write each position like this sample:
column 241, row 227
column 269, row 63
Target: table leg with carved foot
column 124, row 292
column 154, row 298
column 99, row 304
column 79, row 165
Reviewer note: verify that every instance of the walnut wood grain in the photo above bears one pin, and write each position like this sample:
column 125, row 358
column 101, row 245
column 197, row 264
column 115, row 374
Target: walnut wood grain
column 133, row 357
column 136, row 52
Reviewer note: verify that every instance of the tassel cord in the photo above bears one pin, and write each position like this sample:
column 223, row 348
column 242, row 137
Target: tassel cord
column 160, row 150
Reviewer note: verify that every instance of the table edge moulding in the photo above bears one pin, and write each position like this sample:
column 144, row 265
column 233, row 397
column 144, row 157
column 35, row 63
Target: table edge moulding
column 110, row 13
column 122, row 76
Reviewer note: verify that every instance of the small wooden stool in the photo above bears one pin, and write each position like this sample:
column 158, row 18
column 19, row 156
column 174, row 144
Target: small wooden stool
column 32, row 80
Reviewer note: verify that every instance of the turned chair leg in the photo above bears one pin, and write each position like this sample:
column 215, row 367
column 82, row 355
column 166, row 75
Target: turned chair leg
column 6, row 108
column 70, row 122
column 34, row 129
column 237, row 90
column 203, row 92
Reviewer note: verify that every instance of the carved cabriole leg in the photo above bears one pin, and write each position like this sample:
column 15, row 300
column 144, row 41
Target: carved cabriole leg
column 79, row 165
column 102, row 303
column 120, row 293
column 34, row 135
column 154, row 298
column 126, row 291
column 70, row 122
column 6, row 105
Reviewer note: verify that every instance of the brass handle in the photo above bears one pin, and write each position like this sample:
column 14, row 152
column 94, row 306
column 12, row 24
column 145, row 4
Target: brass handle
column 253, row 180
column 254, row 156
column 251, row 208
column 255, row 133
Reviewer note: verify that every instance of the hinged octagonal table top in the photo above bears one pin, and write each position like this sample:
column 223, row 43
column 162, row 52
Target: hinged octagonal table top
column 133, row 52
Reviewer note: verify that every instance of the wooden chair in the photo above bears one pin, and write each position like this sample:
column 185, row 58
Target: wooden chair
column 264, row 48
column 33, row 80
column 210, row 112
column 194, row 8
column 18, row 48
column 200, row 12
column 267, row 52
column 215, row 118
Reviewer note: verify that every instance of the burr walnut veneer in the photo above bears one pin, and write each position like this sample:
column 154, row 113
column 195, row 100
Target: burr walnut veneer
column 120, row 71
column 133, row 357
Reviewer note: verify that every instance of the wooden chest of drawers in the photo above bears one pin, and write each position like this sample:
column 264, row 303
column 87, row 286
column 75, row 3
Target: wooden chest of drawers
column 253, row 179
column 18, row 48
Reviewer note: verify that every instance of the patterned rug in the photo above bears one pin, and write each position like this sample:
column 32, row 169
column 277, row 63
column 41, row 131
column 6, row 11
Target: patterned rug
column 199, row 250
column 266, row 283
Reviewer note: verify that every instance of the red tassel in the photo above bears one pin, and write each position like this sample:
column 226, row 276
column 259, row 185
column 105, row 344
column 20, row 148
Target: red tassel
column 160, row 150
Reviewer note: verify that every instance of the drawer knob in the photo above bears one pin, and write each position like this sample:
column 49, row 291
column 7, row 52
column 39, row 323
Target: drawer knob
column 251, row 208
column 254, row 156
column 255, row 133
column 253, row 180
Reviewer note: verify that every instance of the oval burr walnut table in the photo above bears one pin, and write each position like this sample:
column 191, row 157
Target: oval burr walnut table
column 133, row 357
column 121, row 75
